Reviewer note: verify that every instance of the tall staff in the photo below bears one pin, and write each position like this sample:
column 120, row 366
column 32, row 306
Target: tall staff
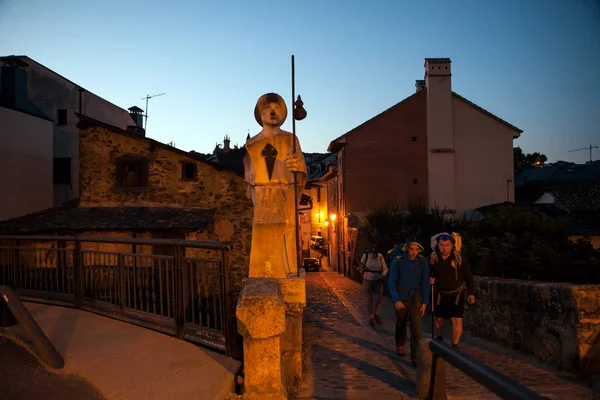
column 298, row 113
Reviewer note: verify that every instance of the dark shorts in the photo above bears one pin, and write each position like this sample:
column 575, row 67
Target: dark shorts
column 448, row 307
column 373, row 287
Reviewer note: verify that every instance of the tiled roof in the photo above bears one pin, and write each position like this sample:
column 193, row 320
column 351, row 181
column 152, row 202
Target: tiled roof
column 574, row 226
column 577, row 198
column 108, row 218
column 559, row 172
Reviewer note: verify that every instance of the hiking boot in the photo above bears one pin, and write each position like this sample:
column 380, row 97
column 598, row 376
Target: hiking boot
column 372, row 321
column 400, row 351
column 440, row 338
column 455, row 345
column 378, row 320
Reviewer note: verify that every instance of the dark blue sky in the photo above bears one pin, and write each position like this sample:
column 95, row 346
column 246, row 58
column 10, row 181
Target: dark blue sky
column 533, row 63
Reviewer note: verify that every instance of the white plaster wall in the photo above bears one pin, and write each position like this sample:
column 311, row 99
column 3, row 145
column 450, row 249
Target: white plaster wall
column 440, row 166
column 484, row 158
column 25, row 164
column 51, row 92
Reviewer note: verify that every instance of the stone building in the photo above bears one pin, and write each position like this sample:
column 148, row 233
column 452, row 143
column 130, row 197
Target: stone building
column 133, row 186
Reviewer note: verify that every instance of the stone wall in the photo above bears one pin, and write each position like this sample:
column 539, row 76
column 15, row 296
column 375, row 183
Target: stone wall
column 215, row 188
column 558, row 323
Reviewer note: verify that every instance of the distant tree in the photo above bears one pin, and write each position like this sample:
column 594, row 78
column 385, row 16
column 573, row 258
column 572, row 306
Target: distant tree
column 530, row 160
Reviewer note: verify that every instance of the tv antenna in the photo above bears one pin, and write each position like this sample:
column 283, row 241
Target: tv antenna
column 148, row 97
column 586, row 148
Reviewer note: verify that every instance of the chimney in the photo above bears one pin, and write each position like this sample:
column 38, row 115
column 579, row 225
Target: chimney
column 226, row 142
column 137, row 114
column 13, row 83
column 440, row 134
column 419, row 85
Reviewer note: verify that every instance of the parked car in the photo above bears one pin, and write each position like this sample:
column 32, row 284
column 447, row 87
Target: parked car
column 317, row 242
column 310, row 264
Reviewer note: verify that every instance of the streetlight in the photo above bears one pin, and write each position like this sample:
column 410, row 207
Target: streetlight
column 333, row 217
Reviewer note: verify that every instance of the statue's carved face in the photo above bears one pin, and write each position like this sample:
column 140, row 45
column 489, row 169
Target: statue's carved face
column 272, row 114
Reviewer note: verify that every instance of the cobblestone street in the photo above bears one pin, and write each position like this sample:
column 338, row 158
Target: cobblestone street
column 348, row 359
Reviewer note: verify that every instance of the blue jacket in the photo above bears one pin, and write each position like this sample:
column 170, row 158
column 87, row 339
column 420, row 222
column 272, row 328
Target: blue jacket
column 406, row 277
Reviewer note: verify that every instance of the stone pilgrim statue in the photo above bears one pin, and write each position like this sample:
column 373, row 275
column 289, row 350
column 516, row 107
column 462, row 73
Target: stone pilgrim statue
column 269, row 165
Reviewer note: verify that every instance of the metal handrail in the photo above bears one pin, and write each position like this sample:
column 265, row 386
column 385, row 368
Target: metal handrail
column 494, row 381
column 204, row 244
column 42, row 345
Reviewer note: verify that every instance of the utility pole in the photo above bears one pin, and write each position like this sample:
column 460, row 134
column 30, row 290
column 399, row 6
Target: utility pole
column 148, row 97
column 586, row 148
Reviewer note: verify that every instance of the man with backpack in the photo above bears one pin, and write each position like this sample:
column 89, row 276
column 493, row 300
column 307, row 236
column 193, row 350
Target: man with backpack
column 373, row 268
column 451, row 279
column 409, row 287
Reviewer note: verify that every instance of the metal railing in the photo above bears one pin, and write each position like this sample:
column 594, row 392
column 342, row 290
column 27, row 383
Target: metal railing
column 42, row 345
column 494, row 381
column 179, row 287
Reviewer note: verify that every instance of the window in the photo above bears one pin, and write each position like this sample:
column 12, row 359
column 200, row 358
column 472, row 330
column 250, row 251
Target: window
column 188, row 171
column 414, row 138
column 132, row 172
column 62, row 170
column 61, row 117
column 415, row 180
column 318, row 194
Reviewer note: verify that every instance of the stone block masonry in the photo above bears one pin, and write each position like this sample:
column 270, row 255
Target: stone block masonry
column 166, row 184
column 558, row 323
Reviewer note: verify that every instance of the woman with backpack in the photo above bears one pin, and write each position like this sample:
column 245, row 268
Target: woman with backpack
column 373, row 268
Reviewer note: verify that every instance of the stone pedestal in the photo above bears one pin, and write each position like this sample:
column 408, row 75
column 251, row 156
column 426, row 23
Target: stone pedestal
column 261, row 321
column 293, row 290
column 424, row 359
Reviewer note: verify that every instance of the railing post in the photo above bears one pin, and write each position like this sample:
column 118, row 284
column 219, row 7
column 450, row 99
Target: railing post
column 228, row 311
column 77, row 273
column 122, row 287
column 16, row 265
column 179, row 295
column 61, row 260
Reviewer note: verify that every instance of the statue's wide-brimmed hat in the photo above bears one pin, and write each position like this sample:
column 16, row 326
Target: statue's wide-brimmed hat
column 266, row 99
column 405, row 246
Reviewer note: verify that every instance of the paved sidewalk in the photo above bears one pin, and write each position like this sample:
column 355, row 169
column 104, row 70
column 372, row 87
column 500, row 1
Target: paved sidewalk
column 125, row 361
column 350, row 360
column 16, row 363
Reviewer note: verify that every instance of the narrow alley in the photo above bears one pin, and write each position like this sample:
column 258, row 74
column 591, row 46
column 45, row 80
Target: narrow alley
column 348, row 359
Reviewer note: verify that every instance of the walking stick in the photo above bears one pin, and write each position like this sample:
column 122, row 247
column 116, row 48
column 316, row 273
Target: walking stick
column 432, row 314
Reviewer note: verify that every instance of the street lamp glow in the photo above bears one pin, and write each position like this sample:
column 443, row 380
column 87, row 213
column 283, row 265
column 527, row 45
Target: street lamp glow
column 326, row 223
column 333, row 217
